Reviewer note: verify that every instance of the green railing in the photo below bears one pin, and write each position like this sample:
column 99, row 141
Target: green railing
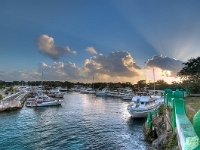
column 188, row 138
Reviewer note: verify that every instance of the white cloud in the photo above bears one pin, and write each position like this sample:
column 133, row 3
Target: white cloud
column 30, row 75
column 116, row 67
column 56, row 71
column 117, row 64
column 48, row 48
column 91, row 50
column 60, row 71
column 74, row 52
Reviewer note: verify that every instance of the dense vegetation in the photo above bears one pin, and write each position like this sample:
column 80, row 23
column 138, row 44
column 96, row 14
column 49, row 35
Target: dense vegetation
column 190, row 75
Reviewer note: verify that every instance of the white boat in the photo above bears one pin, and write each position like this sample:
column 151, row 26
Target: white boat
column 103, row 92
column 92, row 92
column 63, row 90
column 128, row 96
column 56, row 93
column 35, row 103
column 141, row 105
column 87, row 91
column 121, row 94
column 42, row 100
column 113, row 93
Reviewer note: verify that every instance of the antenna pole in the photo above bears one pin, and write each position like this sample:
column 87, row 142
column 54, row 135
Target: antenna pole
column 145, row 77
column 154, row 81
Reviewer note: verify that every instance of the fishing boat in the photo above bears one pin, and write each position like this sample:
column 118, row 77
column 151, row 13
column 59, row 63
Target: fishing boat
column 141, row 104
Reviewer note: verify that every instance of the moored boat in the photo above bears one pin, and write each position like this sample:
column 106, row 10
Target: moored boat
column 141, row 105
column 103, row 92
column 128, row 96
column 36, row 103
column 56, row 93
column 42, row 100
column 87, row 91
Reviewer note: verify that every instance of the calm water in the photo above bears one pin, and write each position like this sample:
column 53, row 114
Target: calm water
column 82, row 122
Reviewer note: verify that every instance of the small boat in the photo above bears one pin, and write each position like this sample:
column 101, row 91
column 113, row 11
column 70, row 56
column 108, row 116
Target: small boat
column 141, row 105
column 88, row 91
column 42, row 100
column 36, row 103
column 113, row 93
column 92, row 92
column 102, row 93
column 121, row 94
column 128, row 96
column 63, row 90
column 56, row 93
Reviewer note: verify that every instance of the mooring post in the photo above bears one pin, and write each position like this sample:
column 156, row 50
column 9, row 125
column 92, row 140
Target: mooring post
column 149, row 120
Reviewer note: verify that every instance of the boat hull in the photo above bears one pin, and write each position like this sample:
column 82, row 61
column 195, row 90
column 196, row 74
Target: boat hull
column 139, row 113
column 127, row 98
column 101, row 94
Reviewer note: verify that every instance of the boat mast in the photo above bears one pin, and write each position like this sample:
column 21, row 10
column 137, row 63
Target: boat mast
column 154, row 81
column 145, row 77
column 42, row 79
column 93, row 83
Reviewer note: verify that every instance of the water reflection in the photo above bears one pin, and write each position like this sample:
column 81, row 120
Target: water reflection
column 82, row 122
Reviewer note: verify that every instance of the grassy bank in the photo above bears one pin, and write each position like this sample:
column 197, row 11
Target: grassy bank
column 192, row 106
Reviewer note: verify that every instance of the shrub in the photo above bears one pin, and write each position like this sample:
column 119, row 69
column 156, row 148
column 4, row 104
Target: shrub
column 172, row 142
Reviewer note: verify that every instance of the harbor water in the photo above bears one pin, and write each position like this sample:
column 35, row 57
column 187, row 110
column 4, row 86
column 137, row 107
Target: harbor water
column 82, row 122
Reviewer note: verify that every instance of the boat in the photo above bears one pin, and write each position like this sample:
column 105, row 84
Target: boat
column 121, row 94
column 87, row 91
column 92, row 92
column 42, row 100
column 128, row 96
column 113, row 93
column 103, row 92
column 35, row 103
column 141, row 105
column 56, row 93
column 63, row 90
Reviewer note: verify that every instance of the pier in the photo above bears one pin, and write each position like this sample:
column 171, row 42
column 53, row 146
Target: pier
column 13, row 101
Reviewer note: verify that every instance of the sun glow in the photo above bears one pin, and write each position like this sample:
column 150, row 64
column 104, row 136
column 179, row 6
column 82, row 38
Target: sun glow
column 160, row 75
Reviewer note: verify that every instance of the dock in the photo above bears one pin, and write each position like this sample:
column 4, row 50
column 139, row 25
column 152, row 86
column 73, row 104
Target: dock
column 13, row 101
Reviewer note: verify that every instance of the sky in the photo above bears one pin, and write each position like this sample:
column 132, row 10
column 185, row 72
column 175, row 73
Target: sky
column 108, row 40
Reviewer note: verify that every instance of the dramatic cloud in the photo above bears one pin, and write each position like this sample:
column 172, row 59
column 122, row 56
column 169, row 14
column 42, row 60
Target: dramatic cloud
column 170, row 66
column 91, row 50
column 48, row 48
column 117, row 64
